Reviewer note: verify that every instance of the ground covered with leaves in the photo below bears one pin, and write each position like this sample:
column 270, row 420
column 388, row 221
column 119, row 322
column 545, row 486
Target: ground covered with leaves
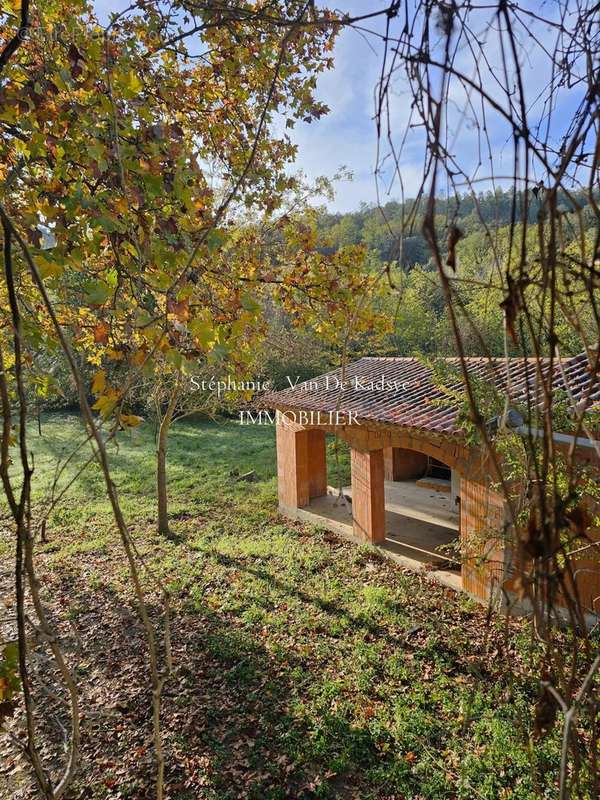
column 304, row 666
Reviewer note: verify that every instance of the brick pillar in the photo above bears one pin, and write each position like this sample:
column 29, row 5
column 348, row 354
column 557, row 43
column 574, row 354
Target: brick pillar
column 317, row 463
column 292, row 467
column 403, row 465
column 481, row 523
column 368, row 499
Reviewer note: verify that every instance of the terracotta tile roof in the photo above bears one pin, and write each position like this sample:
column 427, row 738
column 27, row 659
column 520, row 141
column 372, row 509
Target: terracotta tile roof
column 400, row 391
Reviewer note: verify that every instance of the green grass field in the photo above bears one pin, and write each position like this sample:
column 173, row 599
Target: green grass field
column 304, row 666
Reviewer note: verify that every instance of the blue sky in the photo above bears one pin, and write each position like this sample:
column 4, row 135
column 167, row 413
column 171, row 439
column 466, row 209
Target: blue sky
column 347, row 135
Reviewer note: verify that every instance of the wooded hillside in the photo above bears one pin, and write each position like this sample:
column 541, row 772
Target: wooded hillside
column 481, row 226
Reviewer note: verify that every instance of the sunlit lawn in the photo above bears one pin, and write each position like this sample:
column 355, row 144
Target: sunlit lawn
column 304, row 666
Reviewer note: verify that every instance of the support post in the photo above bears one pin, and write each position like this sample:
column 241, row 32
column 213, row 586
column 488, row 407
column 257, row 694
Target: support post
column 388, row 463
column 292, row 466
column 368, row 498
column 483, row 549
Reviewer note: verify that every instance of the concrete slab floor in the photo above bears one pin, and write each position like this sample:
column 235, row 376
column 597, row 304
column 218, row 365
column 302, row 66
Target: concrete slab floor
column 405, row 538
column 416, row 502
column 418, row 523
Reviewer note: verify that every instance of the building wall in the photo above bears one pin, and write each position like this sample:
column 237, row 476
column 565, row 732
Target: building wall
column 293, row 484
column 368, row 498
column 317, row 458
column 487, row 555
column 586, row 569
column 482, row 519
column 301, row 465
column 403, row 465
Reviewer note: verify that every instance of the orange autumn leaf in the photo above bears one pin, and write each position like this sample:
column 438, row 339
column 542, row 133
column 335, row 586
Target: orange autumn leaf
column 138, row 358
column 179, row 309
column 101, row 332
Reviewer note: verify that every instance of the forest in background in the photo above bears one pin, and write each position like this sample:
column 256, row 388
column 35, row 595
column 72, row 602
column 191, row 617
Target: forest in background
column 389, row 241
column 392, row 235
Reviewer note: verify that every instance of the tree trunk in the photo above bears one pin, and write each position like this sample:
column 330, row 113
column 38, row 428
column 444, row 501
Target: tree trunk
column 161, row 465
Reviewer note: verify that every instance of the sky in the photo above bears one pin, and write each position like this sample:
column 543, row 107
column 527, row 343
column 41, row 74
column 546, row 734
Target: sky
column 346, row 136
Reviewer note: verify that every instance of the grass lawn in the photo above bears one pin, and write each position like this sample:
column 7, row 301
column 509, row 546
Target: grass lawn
column 304, row 666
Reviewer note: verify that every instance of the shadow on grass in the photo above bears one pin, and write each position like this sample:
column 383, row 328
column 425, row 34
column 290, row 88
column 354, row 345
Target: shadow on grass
column 231, row 726
column 353, row 622
column 206, row 449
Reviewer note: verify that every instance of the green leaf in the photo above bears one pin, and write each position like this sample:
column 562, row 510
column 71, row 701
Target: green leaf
column 174, row 357
column 97, row 292
column 134, row 82
column 106, row 223
column 203, row 330
column 218, row 352
column 249, row 303
column 11, row 654
column 153, row 184
column 215, row 239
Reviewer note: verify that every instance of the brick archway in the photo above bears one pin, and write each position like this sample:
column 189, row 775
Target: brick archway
column 449, row 453
column 380, row 403
column 445, row 449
